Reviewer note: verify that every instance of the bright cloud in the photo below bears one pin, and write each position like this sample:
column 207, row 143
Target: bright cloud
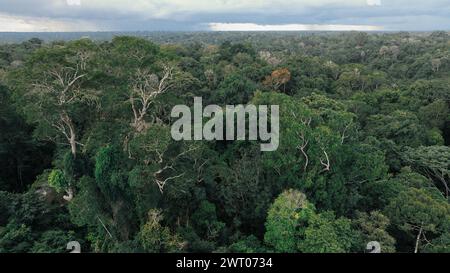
column 74, row 2
column 289, row 27
column 30, row 24
column 374, row 2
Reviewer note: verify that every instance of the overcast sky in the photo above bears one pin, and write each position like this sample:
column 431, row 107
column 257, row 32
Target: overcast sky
column 141, row 15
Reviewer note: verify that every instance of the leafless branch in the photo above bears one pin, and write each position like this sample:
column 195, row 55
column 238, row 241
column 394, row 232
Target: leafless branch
column 146, row 87
column 326, row 164
column 302, row 147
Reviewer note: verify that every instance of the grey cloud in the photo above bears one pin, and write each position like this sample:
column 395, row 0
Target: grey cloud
column 394, row 14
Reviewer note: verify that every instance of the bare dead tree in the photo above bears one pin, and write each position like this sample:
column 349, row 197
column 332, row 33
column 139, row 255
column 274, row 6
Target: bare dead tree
column 63, row 84
column 157, row 175
column 302, row 147
column 419, row 235
column 146, row 87
column 60, row 88
column 327, row 165
column 162, row 183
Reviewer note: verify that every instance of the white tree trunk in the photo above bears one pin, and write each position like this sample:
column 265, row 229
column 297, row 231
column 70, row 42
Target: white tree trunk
column 416, row 249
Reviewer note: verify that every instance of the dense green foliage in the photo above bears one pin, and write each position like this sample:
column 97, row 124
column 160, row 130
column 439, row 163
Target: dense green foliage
column 86, row 152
